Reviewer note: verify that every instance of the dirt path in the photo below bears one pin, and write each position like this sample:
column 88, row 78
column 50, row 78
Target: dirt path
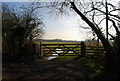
column 57, row 70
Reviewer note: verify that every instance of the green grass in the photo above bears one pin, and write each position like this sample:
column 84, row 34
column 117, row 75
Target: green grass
column 65, row 57
column 91, row 65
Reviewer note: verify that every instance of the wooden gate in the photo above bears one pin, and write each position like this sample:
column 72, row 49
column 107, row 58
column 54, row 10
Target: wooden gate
column 62, row 49
column 68, row 49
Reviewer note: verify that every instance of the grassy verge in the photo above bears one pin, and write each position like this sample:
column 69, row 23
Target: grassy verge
column 91, row 65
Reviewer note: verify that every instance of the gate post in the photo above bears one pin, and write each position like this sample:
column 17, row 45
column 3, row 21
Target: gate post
column 83, row 49
column 35, row 49
column 40, row 53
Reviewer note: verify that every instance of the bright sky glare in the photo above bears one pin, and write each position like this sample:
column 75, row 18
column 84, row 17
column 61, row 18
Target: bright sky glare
column 65, row 28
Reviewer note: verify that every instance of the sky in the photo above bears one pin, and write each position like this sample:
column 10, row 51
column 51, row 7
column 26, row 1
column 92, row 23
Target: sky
column 62, row 28
column 65, row 27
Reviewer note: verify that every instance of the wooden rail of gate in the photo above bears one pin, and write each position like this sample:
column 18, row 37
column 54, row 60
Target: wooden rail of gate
column 69, row 49
column 66, row 49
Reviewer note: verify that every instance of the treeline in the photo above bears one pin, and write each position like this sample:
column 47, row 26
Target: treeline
column 54, row 40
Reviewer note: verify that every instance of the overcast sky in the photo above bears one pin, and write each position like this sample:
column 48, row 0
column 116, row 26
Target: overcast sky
column 66, row 28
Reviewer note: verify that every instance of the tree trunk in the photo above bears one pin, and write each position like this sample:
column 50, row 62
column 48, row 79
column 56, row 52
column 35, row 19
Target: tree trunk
column 105, row 42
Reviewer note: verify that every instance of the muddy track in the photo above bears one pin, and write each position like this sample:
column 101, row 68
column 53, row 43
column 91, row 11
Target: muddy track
column 56, row 70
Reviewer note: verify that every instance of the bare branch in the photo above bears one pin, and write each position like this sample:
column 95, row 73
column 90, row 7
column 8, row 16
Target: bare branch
column 113, row 37
column 102, row 20
column 114, row 7
column 116, row 28
column 114, row 10
column 116, row 16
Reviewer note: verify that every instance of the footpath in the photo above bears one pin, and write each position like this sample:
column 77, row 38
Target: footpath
column 52, row 70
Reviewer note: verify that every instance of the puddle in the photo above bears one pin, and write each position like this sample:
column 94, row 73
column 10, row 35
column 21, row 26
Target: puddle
column 54, row 55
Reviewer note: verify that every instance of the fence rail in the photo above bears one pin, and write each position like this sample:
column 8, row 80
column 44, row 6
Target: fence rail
column 68, row 49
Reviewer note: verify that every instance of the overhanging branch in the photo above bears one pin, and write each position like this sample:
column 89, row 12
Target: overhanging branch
column 116, row 28
column 98, row 32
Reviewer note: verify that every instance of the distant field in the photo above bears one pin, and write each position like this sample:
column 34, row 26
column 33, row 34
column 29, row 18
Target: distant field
column 87, row 43
column 58, row 42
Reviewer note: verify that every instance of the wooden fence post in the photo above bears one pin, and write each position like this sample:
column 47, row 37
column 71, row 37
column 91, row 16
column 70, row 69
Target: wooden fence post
column 40, row 54
column 83, row 49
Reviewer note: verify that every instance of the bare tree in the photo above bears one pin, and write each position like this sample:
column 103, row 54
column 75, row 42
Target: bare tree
column 90, row 12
